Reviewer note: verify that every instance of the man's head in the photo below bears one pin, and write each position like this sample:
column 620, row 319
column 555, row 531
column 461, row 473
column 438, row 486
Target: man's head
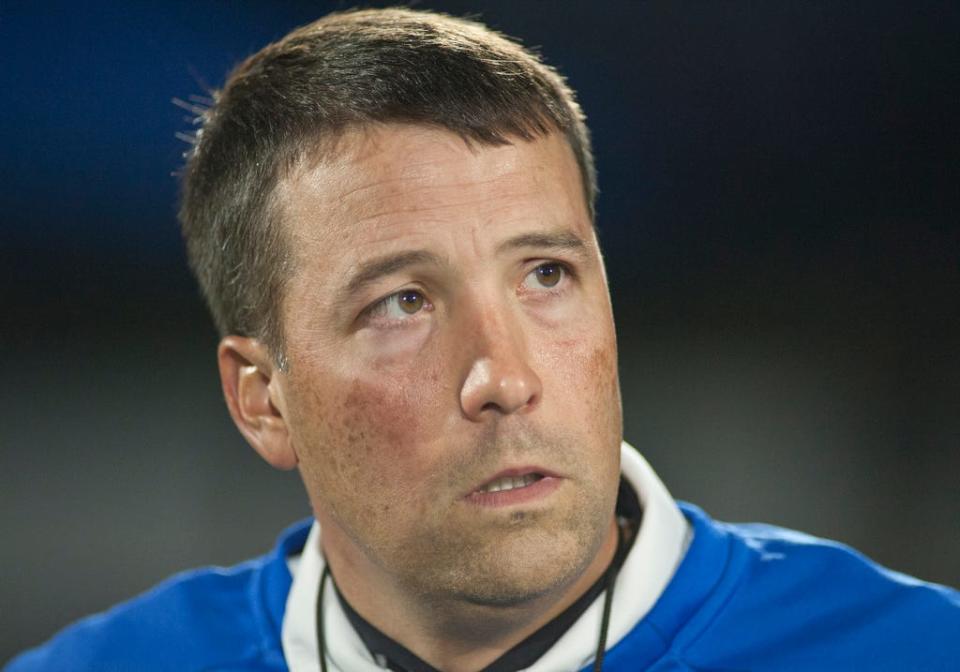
column 295, row 98
column 420, row 192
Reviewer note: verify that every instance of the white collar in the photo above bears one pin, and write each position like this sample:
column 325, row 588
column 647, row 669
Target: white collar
column 656, row 553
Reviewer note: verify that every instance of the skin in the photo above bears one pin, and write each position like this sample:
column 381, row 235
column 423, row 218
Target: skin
column 490, row 347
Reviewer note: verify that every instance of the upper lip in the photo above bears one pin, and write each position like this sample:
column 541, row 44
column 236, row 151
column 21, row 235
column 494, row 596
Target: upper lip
column 513, row 472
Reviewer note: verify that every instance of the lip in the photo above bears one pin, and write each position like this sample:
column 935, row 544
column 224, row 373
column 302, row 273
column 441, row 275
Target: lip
column 527, row 494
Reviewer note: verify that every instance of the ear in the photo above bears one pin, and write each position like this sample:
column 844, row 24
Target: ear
column 251, row 386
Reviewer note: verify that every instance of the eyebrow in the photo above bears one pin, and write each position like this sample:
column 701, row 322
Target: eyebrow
column 563, row 240
column 372, row 270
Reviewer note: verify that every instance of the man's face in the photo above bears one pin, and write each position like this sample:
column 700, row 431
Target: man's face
column 448, row 323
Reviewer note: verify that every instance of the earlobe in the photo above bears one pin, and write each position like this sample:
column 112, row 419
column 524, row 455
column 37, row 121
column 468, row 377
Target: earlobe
column 247, row 376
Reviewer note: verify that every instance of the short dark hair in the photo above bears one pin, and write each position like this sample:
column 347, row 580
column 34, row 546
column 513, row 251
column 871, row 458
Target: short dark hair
column 346, row 70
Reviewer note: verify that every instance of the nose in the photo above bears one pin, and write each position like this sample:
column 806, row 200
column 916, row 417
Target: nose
column 500, row 380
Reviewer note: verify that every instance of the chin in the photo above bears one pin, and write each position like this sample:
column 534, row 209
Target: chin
column 509, row 590
column 526, row 567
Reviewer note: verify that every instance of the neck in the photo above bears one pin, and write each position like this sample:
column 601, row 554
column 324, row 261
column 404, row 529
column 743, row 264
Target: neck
column 449, row 633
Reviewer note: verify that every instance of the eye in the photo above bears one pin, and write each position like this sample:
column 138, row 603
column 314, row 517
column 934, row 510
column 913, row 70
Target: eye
column 545, row 276
column 400, row 305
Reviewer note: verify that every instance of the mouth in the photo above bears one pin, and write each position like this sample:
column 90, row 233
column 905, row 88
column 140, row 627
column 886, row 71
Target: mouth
column 515, row 486
column 505, row 483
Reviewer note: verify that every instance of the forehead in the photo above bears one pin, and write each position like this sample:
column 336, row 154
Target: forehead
column 390, row 183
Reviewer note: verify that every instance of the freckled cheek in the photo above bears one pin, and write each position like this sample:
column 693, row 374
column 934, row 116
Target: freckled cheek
column 581, row 375
column 383, row 416
column 605, row 402
column 376, row 430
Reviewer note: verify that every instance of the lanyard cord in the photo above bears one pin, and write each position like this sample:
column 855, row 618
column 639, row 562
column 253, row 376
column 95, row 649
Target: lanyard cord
column 604, row 621
column 608, row 602
column 320, row 638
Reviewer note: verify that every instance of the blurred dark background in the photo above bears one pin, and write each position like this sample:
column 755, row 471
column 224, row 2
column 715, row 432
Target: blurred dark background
column 780, row 187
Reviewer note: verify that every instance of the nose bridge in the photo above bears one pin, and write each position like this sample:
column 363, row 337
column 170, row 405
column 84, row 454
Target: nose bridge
column 498, row 330
column 500, row 378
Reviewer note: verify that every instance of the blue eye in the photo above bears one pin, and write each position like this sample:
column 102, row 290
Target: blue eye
column 545, row 276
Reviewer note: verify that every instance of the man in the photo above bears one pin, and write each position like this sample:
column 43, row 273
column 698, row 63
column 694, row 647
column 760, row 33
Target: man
column 391, row 216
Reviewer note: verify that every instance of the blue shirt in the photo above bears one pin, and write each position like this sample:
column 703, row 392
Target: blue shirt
column 745, row 597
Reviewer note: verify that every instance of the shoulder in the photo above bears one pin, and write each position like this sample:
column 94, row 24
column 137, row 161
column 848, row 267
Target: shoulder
column 821, row 576
column 207, row 619
column 822, row 605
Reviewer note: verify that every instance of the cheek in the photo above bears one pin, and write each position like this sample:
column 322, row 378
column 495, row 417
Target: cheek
column 584, row 377
column 605, row 401
column 372, row 432
column 381, row 416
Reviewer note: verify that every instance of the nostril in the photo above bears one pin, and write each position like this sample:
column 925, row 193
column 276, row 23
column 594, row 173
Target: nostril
column 501, row 407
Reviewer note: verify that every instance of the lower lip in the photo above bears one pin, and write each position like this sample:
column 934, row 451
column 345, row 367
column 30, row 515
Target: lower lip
column 525, row 495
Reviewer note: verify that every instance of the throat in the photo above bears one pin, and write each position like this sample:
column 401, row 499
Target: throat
column 479, row 637
column 399, row 658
